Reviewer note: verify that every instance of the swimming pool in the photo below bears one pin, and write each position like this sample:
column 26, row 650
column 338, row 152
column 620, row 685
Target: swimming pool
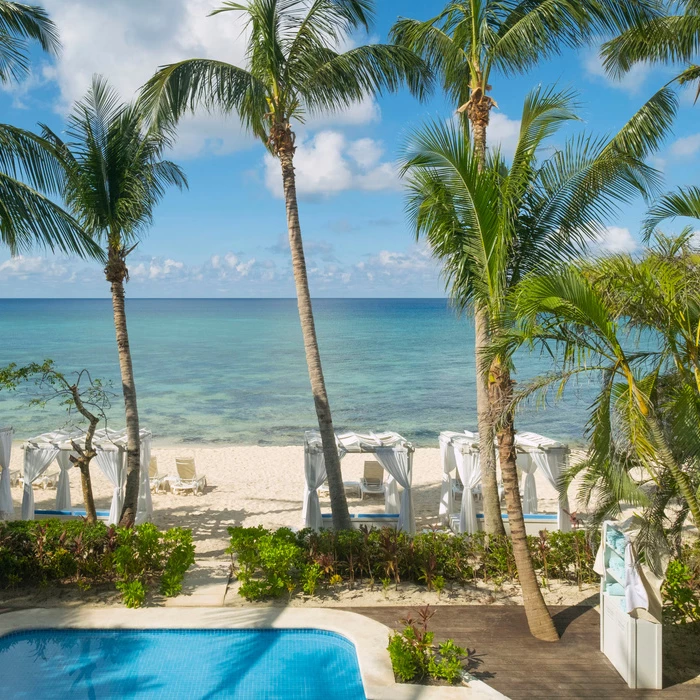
column 260, row 664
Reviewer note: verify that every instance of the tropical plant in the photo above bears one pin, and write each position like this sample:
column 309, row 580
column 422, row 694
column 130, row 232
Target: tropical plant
column 636, row 324
column 672, row 37
column 27, row 168
column 90, row 398
column 113, row 176
column 493, row 225
column 465, row 44
column 295, row 69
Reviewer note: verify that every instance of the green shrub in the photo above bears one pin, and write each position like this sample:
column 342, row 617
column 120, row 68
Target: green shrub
column 681, row 594
column 54, row 551
column 414, row 657
column 271, row 564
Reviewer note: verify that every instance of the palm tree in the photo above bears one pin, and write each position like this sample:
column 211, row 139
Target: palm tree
column 645, row 419
column 683, row 202
column 113, row 177
column 494, row 224
column 28, row 170
column 19, row 25
column 294, row 70
column 465, row 44
column 670, row 38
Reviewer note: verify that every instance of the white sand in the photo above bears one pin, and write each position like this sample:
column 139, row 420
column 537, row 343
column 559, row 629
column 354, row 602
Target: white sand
column 256, row 486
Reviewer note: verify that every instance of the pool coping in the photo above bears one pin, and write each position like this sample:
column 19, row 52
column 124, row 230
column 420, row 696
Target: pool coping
column 368, row 636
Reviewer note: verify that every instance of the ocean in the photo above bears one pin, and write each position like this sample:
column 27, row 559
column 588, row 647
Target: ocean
column 215, row 371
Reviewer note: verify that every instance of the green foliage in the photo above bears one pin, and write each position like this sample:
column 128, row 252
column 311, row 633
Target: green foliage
column 75, row 552
column 681, row 592
column 414, row 656
column 270, row 564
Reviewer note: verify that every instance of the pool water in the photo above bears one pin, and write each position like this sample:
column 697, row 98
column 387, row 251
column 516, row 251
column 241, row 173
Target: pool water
column 175, row 664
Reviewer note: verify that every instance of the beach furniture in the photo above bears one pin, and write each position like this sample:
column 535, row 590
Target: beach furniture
column 187, row 479
column 159, row 482
column 48, row 480
column 372, row 482
column 16, row 478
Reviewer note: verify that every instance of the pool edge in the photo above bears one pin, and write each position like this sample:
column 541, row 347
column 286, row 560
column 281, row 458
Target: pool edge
column 368, row 636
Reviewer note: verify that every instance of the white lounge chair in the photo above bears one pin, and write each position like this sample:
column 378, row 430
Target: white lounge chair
column 48, row 480
column 187, row 479
column 372, row 483
column 15, row 478
column 159, row 482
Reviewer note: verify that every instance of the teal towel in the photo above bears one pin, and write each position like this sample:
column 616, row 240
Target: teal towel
column 615, row 589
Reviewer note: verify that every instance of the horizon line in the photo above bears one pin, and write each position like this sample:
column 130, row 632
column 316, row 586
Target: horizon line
column 223, row 298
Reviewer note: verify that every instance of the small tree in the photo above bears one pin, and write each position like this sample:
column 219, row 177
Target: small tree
column 91, row 398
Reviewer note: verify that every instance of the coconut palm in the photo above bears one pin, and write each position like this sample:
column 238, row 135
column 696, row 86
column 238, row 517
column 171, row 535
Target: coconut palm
column 295, row 69
column 20, row 25
column 113, row 178
column 466, row 44
column 644, row 428
column 494, row 224
column 28, row 170
column 683, row 202
column 670, row 38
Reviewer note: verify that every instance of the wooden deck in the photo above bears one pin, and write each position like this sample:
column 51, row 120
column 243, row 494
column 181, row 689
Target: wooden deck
column 523, row 668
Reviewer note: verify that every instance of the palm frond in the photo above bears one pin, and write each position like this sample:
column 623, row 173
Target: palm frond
column 685, row 201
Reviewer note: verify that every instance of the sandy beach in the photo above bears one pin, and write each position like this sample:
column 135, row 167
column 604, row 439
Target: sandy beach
column 256, row 486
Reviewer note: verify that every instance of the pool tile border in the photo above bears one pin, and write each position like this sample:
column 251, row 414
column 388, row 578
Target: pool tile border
column 368, row 636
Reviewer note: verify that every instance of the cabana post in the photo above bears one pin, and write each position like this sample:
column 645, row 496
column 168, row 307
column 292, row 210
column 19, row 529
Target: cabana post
column 392, row 451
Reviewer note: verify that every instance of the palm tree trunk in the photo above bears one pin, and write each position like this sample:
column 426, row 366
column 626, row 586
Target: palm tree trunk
column 493, row 522
column 538, row 617
column 116, row 274
column 339, row 504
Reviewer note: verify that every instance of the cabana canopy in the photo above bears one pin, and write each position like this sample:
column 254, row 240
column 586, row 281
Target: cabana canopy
column 110, row 445
column 392, row 451
column 460, row 452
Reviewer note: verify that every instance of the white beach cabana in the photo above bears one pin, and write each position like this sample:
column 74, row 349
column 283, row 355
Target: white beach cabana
column 7, row 510
column 391, row 450
column 40, row 452
column 459, row 453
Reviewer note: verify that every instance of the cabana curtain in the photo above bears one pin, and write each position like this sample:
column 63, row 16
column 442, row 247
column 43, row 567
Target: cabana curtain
column 449, row 465
column 315, row 473
column 551, row 463
column 529, row 486
column 111, row 462
column 7, row 509
column 63, row 501
column 36, row 462
column 144, row 509
column 396, row 460
column 469, row 470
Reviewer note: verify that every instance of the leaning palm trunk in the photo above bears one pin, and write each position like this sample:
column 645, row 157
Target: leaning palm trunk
column 116, row 273
column 493, row 522
column 538, row 617
column 339, row 504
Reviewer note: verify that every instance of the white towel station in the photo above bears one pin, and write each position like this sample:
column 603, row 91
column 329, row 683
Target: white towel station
column 460, row 456
column 391, row 450
column 41, row 451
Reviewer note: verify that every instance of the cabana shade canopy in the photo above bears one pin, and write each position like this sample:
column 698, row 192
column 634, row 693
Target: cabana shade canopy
column 392, row 451
column 459, row 453
column 110, row 445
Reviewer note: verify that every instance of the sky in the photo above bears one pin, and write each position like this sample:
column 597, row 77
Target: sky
column 226, row 235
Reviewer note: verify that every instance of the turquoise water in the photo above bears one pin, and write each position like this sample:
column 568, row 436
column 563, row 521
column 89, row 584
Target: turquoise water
column 183, row 664
column 233, row 371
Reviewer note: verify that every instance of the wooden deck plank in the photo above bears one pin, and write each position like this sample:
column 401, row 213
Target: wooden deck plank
column 524, row 668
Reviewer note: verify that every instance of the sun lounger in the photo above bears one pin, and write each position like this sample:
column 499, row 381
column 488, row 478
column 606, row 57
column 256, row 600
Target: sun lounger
column 372, row 482
column 187, row 479
column 15, row 478
column 47, row 481
column 159, row 482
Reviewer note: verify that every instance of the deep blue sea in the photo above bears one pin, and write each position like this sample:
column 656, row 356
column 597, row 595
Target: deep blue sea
column 233, row 371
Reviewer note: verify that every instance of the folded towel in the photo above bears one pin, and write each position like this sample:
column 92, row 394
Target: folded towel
column 615, row 589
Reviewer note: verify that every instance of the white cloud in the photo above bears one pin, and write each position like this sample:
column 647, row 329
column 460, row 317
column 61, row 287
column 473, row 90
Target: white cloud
column 37, row 267
column 329, row 163
column 685, row 147
column 617, row 240
column 127, row 40
column 503, row 132
column 632, row 82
